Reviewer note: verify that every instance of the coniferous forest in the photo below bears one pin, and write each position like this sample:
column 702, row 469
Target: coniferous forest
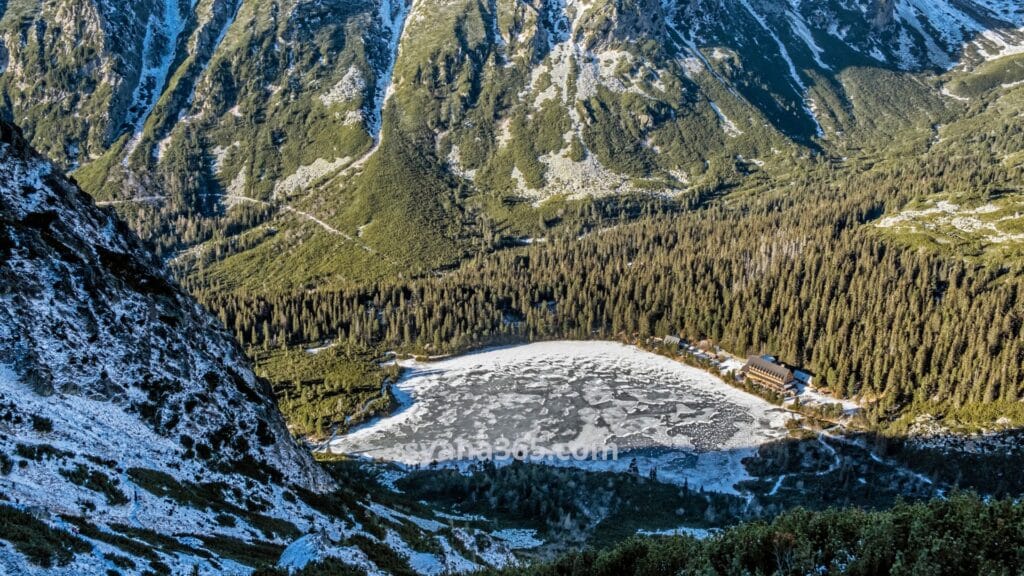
column 245, row 271
column 801, row 272
column 959, row 536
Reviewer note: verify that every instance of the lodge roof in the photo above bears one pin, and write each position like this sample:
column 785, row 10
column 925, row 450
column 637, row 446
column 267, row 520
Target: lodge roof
column 771, row 368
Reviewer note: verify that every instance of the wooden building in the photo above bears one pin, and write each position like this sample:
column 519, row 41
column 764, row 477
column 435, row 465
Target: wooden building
column 775, row 377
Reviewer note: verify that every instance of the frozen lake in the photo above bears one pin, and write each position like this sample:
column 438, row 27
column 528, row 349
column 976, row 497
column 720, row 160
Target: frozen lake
column 558, row 401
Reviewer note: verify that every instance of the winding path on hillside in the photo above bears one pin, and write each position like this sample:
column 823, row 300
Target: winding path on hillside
column 285, row 208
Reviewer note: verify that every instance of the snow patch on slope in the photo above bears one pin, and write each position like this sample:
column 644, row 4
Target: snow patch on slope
column 519, row 538
column 948, row 30
column 908, row 14
column 162, row 34
column 794, row 75
column 804, row 33
column 727, row 125
column 393, row 15
column 132, row 377
column 317, row 547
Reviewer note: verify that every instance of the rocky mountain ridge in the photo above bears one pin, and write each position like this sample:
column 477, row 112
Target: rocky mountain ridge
column 134, row 436
column 279, row 124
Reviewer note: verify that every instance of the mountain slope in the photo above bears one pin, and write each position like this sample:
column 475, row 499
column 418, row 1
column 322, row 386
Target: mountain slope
column 385, row 137
column 133, row 433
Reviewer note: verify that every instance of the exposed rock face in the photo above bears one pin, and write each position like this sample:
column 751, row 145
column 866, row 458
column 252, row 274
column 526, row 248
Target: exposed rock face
column 189, row 116
column 88, row 312
column 885, row 13
column 131, row 424
column 79, row 76
column 107, row 366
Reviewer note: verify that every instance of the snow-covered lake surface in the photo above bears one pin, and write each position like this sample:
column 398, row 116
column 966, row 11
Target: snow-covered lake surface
column 549, row 400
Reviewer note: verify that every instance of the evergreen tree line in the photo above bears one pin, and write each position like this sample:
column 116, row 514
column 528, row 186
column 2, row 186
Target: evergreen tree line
column 961, row 535
column 799, row 271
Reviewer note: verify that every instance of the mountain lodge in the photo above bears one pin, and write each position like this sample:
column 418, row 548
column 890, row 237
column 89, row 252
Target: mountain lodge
column 770, row 375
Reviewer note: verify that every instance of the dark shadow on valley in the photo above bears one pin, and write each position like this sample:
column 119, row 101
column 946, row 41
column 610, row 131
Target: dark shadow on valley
column 571, row 506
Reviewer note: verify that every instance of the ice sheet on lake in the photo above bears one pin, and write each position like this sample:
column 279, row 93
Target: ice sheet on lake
column 583, row 397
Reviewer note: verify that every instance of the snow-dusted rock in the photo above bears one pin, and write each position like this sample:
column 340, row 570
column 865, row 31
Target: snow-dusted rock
column 126, row 410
